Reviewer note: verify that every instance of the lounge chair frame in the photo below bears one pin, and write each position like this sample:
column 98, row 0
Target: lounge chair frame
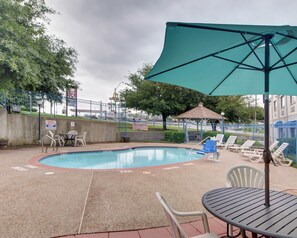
column 230, row 142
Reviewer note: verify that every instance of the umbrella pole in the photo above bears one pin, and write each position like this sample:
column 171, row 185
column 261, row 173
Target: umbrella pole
column 266, row 154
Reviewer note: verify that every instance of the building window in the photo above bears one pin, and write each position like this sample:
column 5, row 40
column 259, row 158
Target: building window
column 274, row 105
column 282, row 102
column 292, row 99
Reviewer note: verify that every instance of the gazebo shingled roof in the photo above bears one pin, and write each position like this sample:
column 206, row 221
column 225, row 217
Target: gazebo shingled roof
column 199, row 112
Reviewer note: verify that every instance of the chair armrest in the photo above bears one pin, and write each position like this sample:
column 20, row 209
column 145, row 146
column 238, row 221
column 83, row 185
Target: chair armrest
column 183, row 214
column 195, row 213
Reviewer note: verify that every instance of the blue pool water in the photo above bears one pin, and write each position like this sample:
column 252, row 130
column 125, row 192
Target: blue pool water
column 117, row 159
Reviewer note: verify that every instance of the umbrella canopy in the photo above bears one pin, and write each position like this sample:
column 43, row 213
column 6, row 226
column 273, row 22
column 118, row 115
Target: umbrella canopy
column 199, row 112
column 218, row 59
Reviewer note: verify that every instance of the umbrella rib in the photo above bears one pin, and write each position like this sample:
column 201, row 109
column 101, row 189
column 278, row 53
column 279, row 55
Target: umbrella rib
column 201, row 58
column 289, row 36
column 239, row 63
column 234, row 68
column 253, row 50
column 187, row 25
column 282, row 59
column 250, row 68
column 283, row 66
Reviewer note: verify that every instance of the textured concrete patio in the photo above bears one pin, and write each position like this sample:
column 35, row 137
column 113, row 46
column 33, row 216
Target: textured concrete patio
column 48, row 202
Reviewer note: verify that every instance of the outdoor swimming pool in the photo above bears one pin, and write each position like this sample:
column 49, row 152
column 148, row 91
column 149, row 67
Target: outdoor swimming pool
column 121, row 159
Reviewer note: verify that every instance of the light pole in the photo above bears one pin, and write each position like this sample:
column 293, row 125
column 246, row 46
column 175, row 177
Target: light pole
column 115, row 98
column 223, row 126
column 39, row 103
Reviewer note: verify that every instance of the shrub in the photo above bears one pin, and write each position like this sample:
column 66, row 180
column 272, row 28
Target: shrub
column 174, row 136
column 209, row 133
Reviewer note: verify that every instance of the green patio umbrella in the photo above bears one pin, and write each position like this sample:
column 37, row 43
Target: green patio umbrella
column 220, row 59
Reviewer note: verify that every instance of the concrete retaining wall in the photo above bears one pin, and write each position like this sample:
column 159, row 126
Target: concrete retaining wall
column 23, row 129
column 144, row 136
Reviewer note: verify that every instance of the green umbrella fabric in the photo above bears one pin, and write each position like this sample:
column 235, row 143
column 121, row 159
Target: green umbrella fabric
column 218, row 59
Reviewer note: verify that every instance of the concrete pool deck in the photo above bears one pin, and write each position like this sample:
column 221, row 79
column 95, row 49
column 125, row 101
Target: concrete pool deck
column 49, row 202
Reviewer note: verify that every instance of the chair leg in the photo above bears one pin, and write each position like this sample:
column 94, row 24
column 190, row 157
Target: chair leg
column 230, row 232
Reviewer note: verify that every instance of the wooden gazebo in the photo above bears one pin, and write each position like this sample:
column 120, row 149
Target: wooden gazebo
column 199, row 114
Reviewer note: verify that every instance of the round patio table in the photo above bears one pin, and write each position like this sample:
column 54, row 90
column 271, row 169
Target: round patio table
column 68, row 138
column 245, row 209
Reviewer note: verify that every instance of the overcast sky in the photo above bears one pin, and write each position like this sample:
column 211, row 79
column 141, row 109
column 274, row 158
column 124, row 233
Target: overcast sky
column 116, row 37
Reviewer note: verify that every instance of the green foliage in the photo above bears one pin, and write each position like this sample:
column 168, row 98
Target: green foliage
column 233, row 107
column 209, row 133
column 27, row 109
column 29, row 58
column 157, row 98
column 236, row 108
column 174, row 136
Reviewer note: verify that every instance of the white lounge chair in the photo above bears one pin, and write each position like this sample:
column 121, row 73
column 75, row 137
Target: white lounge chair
column 230, row 142
column 219, row 138
column 257, row 154
column 176, row 229
column 81, row 139
column 243, row 176
column 239, row 148
column 279, row 156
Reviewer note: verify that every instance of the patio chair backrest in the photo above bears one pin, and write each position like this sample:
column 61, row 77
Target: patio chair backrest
column 176, row 229
column 51, row 134
column 72, row 133
column 54, row 139
column 244, row 176
column 210, row 146
column 84, row 135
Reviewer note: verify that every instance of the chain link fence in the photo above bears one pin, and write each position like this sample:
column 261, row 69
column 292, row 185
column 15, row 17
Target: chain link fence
column 129, row 120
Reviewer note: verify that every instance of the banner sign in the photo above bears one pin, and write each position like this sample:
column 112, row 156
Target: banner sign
column 50, row 125
column 71, row 94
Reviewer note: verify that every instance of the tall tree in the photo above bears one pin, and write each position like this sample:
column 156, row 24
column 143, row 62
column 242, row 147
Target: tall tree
column 29, row 58
column 234, row 107
column 157, row 98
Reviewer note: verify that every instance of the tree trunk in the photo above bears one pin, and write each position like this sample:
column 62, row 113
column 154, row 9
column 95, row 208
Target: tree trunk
column 164, row 116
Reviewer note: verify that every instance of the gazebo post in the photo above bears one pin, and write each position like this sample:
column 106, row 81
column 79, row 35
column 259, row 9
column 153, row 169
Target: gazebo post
column 201, row 132
column 197, row 114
